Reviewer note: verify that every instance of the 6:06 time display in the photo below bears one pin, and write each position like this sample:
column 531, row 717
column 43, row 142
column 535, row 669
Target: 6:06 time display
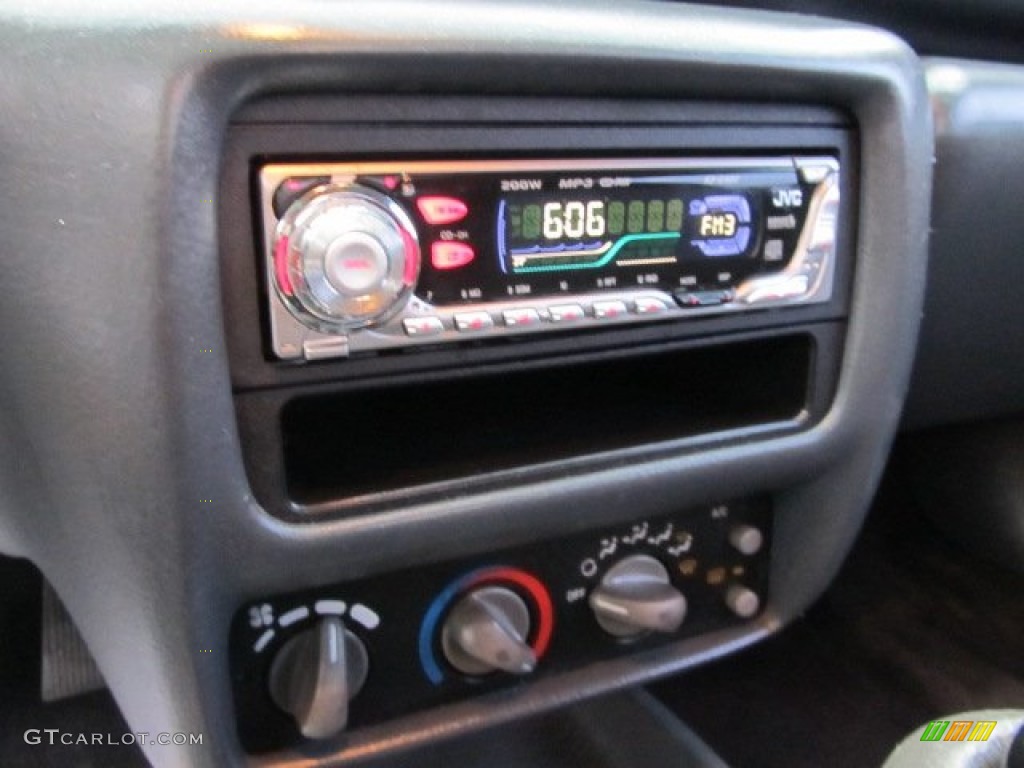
column 574, row 219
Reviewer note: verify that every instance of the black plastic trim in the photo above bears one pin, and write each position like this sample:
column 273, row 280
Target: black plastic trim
column 264, row 449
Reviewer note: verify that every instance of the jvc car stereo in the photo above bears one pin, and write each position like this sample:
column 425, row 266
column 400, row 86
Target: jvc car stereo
column 374, row 256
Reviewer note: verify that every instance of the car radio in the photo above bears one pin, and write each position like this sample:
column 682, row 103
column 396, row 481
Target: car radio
column 372, row 256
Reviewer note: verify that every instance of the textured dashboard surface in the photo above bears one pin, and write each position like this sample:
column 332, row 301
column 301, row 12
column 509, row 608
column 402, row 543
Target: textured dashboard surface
column 973, row 315
column 981, row 29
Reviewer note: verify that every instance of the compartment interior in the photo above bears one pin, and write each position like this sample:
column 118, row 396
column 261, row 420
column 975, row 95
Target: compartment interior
column 396, row 436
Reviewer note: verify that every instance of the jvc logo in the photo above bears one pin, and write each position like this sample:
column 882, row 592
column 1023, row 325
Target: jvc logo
column 788, row 198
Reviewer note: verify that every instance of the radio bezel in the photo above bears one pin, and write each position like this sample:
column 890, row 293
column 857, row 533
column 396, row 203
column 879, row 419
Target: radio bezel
column 375, row 129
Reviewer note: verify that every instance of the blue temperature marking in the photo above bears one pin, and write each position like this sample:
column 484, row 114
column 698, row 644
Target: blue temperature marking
column 622, row 242
column 429, row 625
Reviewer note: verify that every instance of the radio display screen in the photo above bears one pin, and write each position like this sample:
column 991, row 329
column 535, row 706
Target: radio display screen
column 641, row 227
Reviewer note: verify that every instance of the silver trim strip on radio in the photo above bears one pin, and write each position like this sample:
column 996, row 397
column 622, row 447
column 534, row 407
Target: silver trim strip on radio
column 807, row 279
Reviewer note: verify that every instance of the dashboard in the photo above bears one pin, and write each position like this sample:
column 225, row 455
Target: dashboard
column 380, row 373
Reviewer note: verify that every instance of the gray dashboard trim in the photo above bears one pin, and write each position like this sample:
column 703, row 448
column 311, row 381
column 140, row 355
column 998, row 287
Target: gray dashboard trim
column 125, row 483
column 969, row 365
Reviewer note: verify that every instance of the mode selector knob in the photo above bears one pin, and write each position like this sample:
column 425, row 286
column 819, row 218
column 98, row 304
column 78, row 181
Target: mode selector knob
column 635, row 597
column 487, row 631
column 316, row 674
column 345, row 257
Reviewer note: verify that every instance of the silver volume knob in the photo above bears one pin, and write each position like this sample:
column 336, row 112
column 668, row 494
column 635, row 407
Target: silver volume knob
column 636, row 597
column 487, row 631
column 345, row 257
column 314, row 676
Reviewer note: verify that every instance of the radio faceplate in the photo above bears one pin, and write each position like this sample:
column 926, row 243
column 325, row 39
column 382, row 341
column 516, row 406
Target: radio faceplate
column 384, row 255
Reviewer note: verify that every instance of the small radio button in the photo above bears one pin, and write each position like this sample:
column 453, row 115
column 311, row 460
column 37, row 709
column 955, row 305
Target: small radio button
column 439, row 209
column 355, row 263
column 469, row 322
column 609, row 310
column 697, row 299
column 423, row 326
column 521, row 318
column 649, row 305
column 324, row 349
column 566, row 313
column 774, row 251
column 451, row 255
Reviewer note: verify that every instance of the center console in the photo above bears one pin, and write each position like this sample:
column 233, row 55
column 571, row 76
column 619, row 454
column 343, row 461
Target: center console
column 542, row 395
column 421, row 312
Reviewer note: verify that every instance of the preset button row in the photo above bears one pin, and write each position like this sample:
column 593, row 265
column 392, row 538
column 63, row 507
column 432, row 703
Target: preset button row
column 527, row 317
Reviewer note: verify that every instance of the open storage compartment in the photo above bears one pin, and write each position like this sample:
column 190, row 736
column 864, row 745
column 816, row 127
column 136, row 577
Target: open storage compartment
column 396, row 436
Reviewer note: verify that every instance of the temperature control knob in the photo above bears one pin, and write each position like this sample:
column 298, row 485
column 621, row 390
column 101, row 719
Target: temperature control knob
column 487, row 631
column 316, row 674
column 345, row 257
column 636, row 597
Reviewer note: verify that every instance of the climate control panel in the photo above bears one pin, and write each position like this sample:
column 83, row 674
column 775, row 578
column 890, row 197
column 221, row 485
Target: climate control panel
column 308, row 666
